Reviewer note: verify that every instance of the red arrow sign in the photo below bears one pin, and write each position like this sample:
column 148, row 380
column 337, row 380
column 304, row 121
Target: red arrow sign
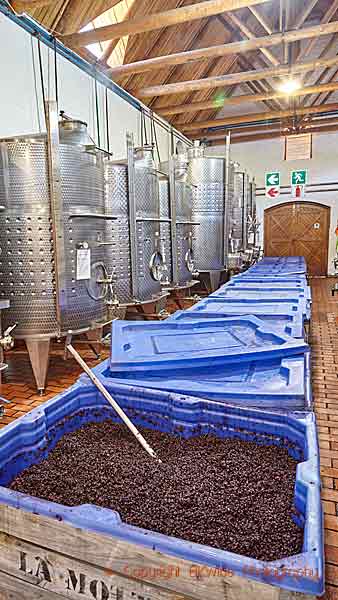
column 272, row 192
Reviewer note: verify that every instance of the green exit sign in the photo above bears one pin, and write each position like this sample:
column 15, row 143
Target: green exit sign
column 272, row 179
column 299, row 177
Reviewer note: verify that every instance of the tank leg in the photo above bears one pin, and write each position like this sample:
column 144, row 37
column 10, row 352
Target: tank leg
column 94, row 337
column 38, row 351
column 214, row 278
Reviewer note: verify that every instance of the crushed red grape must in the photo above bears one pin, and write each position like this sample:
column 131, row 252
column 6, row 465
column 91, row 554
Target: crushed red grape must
column 228, row 494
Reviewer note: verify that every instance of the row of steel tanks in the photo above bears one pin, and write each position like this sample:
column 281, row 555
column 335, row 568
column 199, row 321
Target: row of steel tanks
column 85, row 239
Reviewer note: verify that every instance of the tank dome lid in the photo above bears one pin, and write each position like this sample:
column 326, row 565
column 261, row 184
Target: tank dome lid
column 73, row 131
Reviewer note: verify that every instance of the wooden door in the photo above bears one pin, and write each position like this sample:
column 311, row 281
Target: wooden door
column 299, row 229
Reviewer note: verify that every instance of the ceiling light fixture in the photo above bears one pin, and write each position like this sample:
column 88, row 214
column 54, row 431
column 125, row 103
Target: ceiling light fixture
column 289, row 86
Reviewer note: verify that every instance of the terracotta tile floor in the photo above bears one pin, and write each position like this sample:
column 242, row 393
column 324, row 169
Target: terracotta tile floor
column 18, row 387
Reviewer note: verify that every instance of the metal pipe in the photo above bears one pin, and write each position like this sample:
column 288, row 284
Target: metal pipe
column 132, row 215
column 53, row 145
column 173, row 216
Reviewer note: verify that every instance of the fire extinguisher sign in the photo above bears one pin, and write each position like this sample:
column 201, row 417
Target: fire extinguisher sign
column 299, row 181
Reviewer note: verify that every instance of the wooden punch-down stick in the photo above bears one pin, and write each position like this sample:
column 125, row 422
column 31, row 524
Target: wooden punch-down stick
column 113, row 403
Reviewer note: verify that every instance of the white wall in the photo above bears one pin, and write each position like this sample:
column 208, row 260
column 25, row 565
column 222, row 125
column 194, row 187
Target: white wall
column 21, row 101
column 265, row 156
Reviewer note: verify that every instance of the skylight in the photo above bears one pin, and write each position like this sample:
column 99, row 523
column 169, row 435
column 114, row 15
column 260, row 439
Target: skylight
column 116, row 14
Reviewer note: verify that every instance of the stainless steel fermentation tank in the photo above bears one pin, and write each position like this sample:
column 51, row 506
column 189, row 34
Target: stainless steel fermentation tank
column 134, row 258
column 242, row 219
column 208, row 177
column 239, row 208
column 176, row 224
column 52, row 265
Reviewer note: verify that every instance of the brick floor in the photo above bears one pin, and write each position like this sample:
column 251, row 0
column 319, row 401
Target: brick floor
column 324, row 344
column 18, row 387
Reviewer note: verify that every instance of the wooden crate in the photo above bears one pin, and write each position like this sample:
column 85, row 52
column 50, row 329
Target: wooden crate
column 44, row 558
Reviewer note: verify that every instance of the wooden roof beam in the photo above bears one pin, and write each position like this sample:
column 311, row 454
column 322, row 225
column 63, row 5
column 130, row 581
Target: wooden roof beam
column 239, row 47
column 226, row 80
column 238, row 139
column 278, row 125
column 159, row 20
column 259, row 117
column 244, row 99
column 22, row 5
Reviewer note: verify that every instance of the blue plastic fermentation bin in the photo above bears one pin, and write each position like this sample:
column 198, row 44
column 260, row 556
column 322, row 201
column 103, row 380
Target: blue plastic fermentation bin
column 30, row 439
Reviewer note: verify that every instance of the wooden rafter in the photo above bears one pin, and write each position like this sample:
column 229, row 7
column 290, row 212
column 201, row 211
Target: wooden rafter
column 240, row 139
column 245, row 98
column 267, row 127
column 20, row 5
column 239, row 47
column 200, row 10
column 225, row 80
column 262, row 116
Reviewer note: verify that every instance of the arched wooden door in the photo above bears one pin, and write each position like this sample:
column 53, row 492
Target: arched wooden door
column 299, row 229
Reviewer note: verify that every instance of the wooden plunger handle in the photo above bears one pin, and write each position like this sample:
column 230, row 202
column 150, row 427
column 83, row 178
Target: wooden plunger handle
column 113, row 402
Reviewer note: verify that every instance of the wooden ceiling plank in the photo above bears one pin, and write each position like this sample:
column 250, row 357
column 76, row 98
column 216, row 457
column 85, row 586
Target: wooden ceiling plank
column 190, row 35
column 219, row 66
column 81, row 12
column 242, row 77
column 206, row 30
column 150, row 22
column 244, row 99
column 263, row 116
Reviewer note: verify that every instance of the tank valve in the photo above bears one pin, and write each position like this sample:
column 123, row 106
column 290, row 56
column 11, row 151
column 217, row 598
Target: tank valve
column 6, row 340
column 163, row 314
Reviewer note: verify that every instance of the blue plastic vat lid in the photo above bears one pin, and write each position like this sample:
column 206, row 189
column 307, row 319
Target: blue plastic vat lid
column 264, row 284
column 23, row 443
column 265, row 287
column 218, row 304
column 268, row 293
column 290, row 323
column 270, row 277
column 278, row 383
column 137, row 345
